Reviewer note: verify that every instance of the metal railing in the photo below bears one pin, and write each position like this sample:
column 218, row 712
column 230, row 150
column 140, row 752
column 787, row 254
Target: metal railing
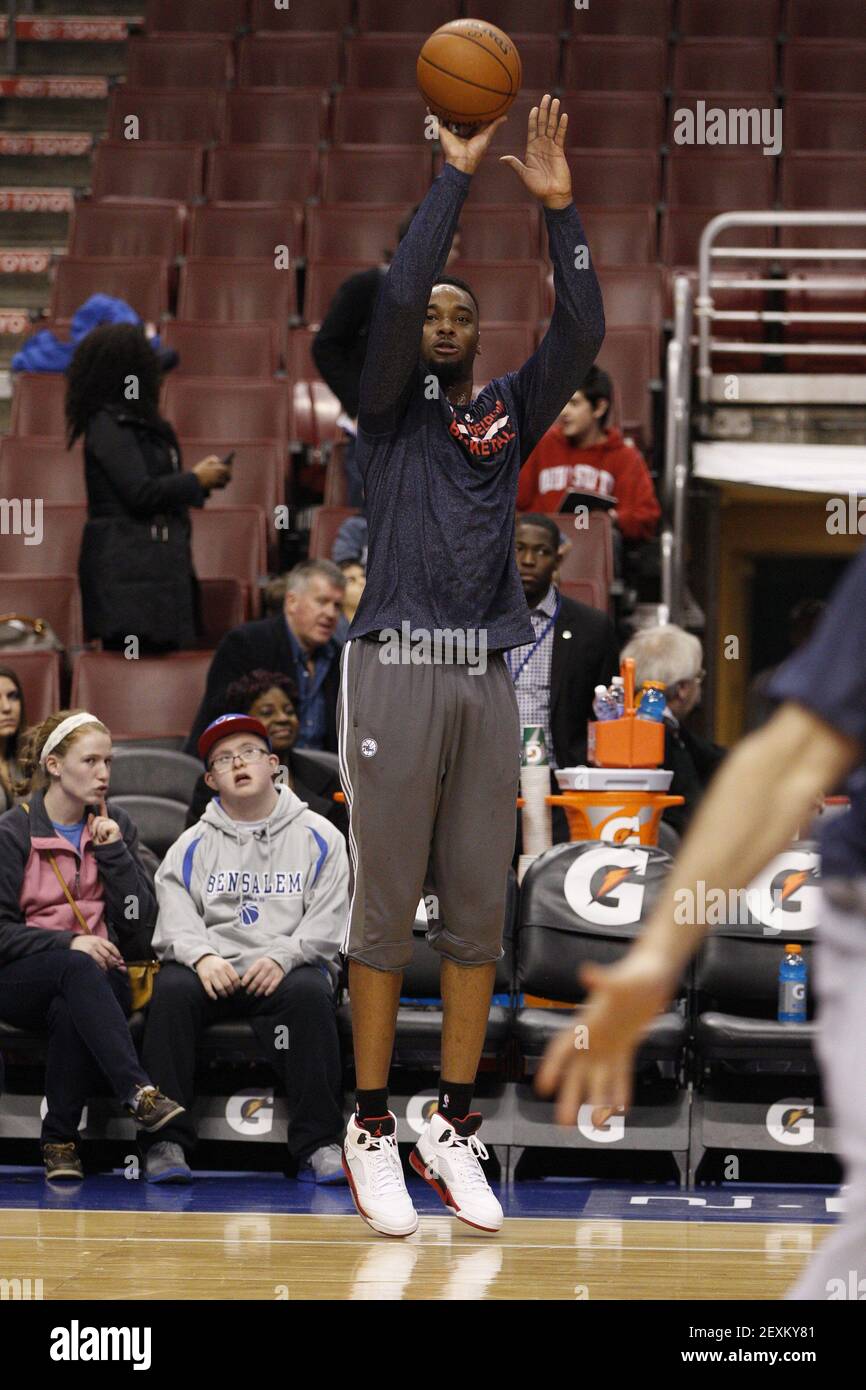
column 678, row 393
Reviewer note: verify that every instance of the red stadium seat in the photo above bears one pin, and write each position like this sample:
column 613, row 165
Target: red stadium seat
column 615, row 64
column 241, row 174
column 503, row 348
column 402, row 16
column 589, row 591
column 314, row 414
column 820, row 300
column 378, row 118
column 516, row 17
column 682, row 229
column 133, row 169
column 323, row 531
column 276, row 118
column 324, row 278
column 258, row 470
column 590, row 553
column 111, row 687
column 632, row 295
column 724, row 65
column 387, row 60
column 371, row 174
column 207, row 349
column 829, row 19
column 836, row 123
column 322, row 16
column 631, row 18
column 720, row 180
column 344, row 231
column 621, row 236
column 828, row 238
column 54, row 597
column 163, row 62
column 142, row 282
column 631, row 358
column 539, row 58
column 127, row 230
column 39, row 674
column 499, row 234
column 38, row 405
column 231, row 543
column 34, row 467
column 824, row 65
column 227, row 409
column 747, row 19
column 611, row 177
column 195, row 16
column 699, row 104
column 194, row 117
column 232, row 231
column 299, row 358
column 508, row 291
column 237, row 290
column 294, row 61
column 495, row 183
column 614, row 120
column 62, row 524
column 222, row 608
column 823, row 180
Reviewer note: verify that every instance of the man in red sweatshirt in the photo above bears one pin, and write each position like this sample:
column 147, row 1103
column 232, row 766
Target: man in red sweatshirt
column 580, row 453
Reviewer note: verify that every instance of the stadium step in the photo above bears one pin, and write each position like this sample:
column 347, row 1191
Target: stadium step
column 46, row 144
column 129, row 9
column 29, row 170
column 66, row 28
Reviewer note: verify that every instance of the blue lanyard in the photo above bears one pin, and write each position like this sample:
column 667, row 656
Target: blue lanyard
column 515, row 676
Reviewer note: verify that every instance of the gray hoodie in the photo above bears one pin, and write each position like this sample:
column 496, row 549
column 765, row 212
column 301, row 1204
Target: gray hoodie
column 281, row 891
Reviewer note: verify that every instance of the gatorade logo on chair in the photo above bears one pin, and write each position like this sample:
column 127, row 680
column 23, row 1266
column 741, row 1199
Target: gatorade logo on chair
column 251, row 1111
column 791, row 1122
column 785, row 896
column 605, row 885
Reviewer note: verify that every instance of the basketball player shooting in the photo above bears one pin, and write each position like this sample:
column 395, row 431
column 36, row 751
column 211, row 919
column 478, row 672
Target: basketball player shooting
column 429, row 741
column 764, row 791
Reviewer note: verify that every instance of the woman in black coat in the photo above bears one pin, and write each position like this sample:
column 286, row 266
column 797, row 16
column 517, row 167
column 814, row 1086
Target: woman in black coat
column 135, row 566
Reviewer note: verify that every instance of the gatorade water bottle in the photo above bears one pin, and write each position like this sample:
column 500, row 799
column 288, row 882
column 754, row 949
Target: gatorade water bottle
column 603, row 706
column 617, row 692
column 652, row 701
column 792, row 986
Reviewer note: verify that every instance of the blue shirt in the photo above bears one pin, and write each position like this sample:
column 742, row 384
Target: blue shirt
column 828, row 675
column 72, row 833
column 312, row 708
column 441, row 481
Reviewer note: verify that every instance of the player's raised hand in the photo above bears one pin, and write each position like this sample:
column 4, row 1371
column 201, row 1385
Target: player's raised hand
column 467, row 154
column 544, row 168
column 596, row 1067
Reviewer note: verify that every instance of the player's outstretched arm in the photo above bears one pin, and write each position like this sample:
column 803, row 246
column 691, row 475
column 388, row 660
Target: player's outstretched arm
column 764, row 790
column 398, row 318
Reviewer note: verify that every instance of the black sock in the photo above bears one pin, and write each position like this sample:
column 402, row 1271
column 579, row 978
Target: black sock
column 455, row 1099
column 371, row 1105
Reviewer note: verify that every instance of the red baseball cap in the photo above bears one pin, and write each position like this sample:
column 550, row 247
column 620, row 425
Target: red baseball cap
column 225, row 726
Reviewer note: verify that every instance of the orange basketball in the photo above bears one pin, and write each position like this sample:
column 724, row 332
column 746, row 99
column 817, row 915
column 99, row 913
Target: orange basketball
column 469, row 72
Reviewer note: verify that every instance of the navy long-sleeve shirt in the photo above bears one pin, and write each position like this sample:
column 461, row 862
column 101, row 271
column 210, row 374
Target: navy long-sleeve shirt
column 441, row 481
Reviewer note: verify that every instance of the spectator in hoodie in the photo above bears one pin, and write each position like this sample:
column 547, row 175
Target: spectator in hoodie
column 272, row 697
column 582, row 453
column 75, row 903
column 253, row 902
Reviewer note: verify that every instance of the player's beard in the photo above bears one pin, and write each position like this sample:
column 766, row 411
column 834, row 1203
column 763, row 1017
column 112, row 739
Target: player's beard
column 448, row 373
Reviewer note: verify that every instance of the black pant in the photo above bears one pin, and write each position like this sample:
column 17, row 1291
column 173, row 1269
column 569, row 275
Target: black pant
column 309, row 1067
column 85, row 1010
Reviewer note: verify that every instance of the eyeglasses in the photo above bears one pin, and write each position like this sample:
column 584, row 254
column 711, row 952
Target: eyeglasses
column 251, row 753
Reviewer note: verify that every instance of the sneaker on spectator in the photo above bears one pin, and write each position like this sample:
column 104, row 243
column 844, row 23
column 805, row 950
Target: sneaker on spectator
column 325, row 1165
column 446, row 1156
column 62, row 1161
column 371, row 1162
column 152, row 1109
column 165, row 1162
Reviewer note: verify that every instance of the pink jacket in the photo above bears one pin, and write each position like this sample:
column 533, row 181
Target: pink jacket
column 43, row 902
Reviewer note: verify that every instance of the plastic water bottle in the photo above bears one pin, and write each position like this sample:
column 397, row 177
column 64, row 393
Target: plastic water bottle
column 792, row 986
column 652, row 701
column 603, row 707
column 617, row 693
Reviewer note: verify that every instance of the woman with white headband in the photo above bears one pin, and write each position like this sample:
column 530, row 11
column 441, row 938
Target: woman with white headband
column 75, row 902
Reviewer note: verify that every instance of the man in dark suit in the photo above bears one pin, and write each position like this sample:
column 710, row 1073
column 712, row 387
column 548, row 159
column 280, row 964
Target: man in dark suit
column 299, row 642
column 575, row 650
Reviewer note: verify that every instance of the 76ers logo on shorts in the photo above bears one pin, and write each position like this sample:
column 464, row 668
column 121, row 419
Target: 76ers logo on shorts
column 369, row 747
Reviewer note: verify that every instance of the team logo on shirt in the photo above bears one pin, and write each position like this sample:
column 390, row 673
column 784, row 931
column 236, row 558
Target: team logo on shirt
column 486, row 437
column 369, row 748
column 249, row 914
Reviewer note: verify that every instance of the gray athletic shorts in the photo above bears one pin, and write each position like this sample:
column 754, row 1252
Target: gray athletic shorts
column 430, row 767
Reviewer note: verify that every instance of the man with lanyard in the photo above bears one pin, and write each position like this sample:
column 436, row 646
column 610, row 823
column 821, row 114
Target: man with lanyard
column 765, row 789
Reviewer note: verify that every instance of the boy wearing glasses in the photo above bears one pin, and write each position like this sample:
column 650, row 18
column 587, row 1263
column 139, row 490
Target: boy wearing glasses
column 252, row 905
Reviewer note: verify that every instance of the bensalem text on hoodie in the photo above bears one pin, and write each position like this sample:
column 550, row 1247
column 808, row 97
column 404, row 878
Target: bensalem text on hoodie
column 280, row 890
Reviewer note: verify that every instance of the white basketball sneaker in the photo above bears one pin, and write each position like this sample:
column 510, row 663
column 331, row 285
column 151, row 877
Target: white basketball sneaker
column 371, row 1162
column 446, row 1156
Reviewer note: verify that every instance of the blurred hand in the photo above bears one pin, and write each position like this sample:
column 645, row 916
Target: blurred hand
column 105, row 953
column 212, row 473
column 466, row 155
column 545, row 168
column 102, row 828
column 219, row 978
column 263, row 976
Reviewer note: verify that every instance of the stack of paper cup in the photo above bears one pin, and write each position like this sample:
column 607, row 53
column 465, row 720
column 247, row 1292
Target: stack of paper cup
column 536, row 826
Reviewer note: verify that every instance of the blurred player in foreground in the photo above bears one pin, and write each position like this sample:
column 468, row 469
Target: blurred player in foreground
column 766, row 788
